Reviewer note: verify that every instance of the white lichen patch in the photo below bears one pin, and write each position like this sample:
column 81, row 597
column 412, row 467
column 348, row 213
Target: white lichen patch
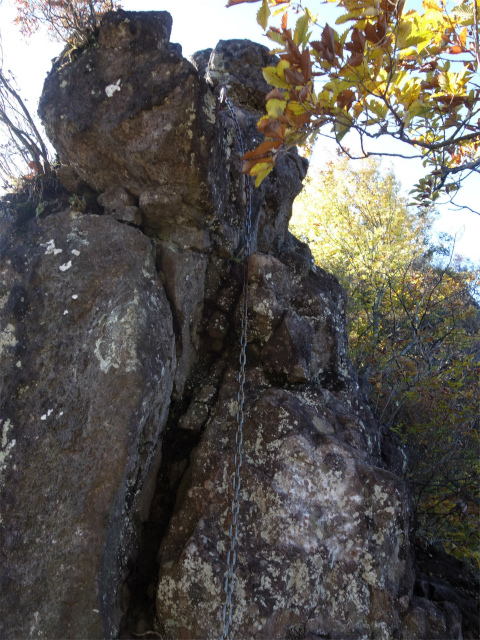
column 5, row 449
column 66, row 266
column 75, row 252
column 210, row 108
column 262, row 308
column 7, row 338
column 171, row 593
column 116, row 346
column 111, row 88
column 50, row 248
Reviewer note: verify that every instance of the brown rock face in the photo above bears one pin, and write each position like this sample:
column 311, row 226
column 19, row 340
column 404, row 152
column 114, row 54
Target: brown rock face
column 124, row 113
column 87, row 373
column 119, row 338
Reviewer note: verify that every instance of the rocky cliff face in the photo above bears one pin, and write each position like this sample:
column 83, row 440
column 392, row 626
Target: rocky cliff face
column 120, row 341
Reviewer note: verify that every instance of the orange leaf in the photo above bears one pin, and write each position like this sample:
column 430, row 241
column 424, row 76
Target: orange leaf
column 263, row 149
column 284, row 21
column 273, row 130
column 455, row 49
column 298, row 121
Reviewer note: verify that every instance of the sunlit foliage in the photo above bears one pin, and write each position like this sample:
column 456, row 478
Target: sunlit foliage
column 414, row 330
column 382, row 70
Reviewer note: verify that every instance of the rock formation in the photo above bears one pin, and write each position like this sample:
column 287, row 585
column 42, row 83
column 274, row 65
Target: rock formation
column 119, row 344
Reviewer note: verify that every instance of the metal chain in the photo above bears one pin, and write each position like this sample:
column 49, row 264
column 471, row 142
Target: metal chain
column 235, row 507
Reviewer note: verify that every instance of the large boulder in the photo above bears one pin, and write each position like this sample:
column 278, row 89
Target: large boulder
column 87, row 369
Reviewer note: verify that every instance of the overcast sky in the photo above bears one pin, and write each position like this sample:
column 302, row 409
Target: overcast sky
column 199, row 24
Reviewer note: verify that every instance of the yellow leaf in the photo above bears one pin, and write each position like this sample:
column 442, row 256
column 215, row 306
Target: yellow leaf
column 343, row 124
column 261, row 171
column 262, row 175
column 404, row 29
column 357, row 109
column 271, row 76
column 275, row 107
column 263, row 14
column 281, row 66
column 296, row 108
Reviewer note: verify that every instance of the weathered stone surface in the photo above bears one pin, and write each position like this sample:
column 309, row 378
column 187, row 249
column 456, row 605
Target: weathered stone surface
column 324, row 548
column 123, row 114
column 183, row 273
column 86, row 376
column 324, row 533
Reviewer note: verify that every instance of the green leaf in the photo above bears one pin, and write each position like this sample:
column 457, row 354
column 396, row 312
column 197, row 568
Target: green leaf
column 301, row 29
column 343, row 124
column 263, row 14
column 40, row 209
column 276, row 37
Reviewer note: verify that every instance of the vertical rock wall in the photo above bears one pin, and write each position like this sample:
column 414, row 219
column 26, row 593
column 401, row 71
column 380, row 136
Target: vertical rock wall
column 119, row 342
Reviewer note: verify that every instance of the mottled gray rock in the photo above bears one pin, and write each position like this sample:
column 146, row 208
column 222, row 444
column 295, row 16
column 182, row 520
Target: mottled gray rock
column 121, row 205
column 123, row 113
column 324, row 533
column 183, row 274
column 86, row 346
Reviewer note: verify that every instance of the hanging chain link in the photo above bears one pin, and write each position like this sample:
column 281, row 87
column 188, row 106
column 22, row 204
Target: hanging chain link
column 235, row 507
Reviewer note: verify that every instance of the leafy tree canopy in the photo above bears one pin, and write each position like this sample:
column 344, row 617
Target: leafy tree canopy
column 414, row 329
column 380, row 71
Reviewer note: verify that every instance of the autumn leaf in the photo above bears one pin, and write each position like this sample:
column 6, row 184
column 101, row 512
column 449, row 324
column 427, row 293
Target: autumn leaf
column 260, row 171
column 275, row 93
column 263, row 149
column 376, row 89
column 272, row 129
column 343, row 124
column 271, row 76
column 301, row 29
column 275, row 107
column 263, row 14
